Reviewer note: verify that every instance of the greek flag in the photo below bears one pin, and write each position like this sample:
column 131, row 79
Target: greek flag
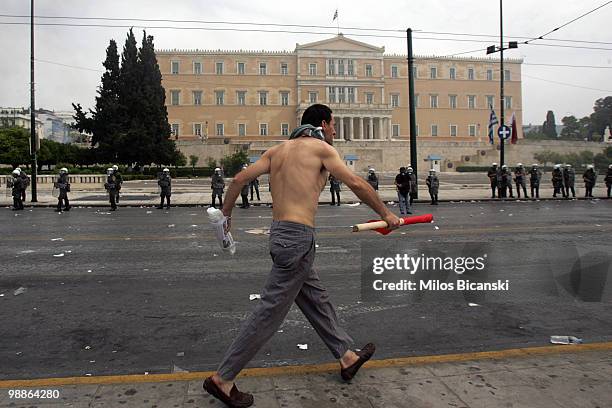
column 492, row 122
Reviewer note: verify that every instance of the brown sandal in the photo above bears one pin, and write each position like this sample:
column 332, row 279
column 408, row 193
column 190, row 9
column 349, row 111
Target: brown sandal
column 236, row 399
column 364, row 355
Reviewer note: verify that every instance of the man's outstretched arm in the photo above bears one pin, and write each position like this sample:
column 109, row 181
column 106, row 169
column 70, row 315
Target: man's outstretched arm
column 363, row 190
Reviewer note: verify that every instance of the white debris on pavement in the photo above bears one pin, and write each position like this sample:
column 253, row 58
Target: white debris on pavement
column 180, row 354
column 171, row 225
column 352, row 205
column 57, row 239
column 258, row 231
column 303, row 346
column 59, row 255
column 87, row 347
column 19, row 291
column 436, row 227
column 473, row 304
column 29, row 251
column 89, row 271
column 254, row 296
column 149, row 212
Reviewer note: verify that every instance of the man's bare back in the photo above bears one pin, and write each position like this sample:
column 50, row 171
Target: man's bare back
column 297, row 177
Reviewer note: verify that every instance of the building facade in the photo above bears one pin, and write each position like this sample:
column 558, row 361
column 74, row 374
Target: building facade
column 261, row 95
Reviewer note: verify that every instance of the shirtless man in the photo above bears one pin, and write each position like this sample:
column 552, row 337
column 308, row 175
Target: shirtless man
column 298, row 171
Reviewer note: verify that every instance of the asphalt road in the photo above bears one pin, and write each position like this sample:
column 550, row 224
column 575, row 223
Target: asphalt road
column 143, row 290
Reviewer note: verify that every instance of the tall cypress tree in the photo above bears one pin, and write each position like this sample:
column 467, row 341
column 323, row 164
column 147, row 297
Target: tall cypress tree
column 154, row 98
column 133, row 145
column 130, row 121
column 103, row 123
column 549, row 127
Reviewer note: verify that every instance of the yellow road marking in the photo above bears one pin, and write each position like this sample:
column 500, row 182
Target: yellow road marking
column 311, row 369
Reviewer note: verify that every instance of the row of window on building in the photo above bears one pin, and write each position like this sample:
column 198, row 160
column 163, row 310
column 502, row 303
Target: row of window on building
column 284, row 130
column 340, row 95
column 341, row 68
column 220, row 129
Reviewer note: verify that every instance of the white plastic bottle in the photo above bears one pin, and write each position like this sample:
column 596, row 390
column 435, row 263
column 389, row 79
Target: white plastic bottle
column 218, row 220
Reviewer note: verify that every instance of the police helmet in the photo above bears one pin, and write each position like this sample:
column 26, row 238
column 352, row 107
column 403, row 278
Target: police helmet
column 16, row 172
column 166, row 170
column 115, row 167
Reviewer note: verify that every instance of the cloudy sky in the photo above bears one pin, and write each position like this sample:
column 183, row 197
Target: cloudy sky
column 82, row 49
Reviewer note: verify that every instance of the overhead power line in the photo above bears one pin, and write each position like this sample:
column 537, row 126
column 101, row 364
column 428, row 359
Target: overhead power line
column 569, row 66
column 541, row 37
column 284, row 32
column 241, row 23
column 566, row 84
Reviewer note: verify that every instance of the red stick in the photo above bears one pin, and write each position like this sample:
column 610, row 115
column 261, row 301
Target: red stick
column 382, row 226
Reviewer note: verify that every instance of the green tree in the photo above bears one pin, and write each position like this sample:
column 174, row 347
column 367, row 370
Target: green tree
column 602, row 115
column 14, row 146
column 193, row 160
column 549, row 127
column 232, row 164
column 572, row 129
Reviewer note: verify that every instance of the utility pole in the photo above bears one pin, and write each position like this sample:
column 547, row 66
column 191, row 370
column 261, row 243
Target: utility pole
column 33, row 144
column 501, row 80
column 412, row 110
column 493, row 49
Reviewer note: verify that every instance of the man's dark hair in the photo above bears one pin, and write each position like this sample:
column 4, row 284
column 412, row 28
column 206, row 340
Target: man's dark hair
column 315, row 114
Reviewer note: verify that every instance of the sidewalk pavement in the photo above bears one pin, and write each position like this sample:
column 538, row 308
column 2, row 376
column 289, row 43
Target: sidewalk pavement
column 539, row 377
column 183, row 194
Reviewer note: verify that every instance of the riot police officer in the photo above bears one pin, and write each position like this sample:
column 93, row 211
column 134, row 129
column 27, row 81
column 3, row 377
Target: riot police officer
column 334, row 189
column 119, row 181
column 506, row 181
column 534, row 180
column 609, row 179
column 63, row 185
column 217, row 185
column 589, row 177
column 433, row 184
column 244, row 193
column 492, row 174
column 16, row 184
column 402, row 183
column 413, row 183
column 557, row 180
column 520, row 176
column 165, row 184
column 569, row 179
column 111, row 187
column 25, row 182
column 254, row 186
column 372, row 178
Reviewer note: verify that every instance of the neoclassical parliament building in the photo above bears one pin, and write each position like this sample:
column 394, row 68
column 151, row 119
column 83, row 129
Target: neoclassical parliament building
column 256, row 98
